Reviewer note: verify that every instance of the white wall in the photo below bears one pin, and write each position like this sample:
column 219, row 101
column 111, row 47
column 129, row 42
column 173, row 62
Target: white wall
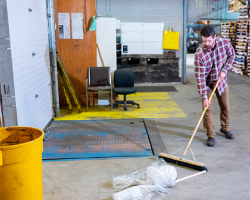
column 31, row 62
column 106, row 40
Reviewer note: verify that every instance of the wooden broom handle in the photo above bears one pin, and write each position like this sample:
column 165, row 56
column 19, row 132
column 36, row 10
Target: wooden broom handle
column 202, row 115
column 100, row 55
column 190, row 176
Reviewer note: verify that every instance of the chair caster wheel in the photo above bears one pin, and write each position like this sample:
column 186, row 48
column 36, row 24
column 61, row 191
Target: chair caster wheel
column 125, row 109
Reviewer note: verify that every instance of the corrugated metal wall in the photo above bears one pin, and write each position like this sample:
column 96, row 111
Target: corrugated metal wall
column 31, row 62
column 215, row 11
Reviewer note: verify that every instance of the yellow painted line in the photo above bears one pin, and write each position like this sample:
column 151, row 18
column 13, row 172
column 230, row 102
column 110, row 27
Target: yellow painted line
column 152, row 105
column 243, row 79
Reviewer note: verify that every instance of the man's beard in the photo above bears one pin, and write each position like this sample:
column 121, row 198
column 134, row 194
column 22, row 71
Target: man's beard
column 208, row 46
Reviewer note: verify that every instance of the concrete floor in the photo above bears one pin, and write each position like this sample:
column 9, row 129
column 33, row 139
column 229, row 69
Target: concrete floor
column 228, row 163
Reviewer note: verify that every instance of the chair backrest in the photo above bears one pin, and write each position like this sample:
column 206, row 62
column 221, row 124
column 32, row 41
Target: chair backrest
column 124, row 78
column 99, row 76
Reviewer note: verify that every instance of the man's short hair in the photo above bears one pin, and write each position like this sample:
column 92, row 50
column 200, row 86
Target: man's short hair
column 207, row 31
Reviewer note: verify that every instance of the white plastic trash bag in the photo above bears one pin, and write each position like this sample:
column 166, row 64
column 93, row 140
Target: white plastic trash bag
column 142, row 192
column 153, row 182
column 138, row 177
column 160, row 173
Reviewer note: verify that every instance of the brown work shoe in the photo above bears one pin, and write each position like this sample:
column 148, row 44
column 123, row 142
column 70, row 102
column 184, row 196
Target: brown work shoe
column 210, row 141
column 228, row 134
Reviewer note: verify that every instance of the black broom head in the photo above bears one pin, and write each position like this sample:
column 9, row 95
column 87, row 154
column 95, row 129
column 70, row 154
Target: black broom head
column 182, row 162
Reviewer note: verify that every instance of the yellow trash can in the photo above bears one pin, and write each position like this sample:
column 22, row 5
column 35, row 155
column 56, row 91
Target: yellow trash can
column 21, row 163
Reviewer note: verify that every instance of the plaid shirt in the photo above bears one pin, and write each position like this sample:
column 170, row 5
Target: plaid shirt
column 209, row 63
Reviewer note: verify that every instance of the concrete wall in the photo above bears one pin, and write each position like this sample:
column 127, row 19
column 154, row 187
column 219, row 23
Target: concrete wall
column 168, row 12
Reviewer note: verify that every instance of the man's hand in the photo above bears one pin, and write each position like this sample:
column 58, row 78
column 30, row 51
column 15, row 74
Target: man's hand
column 205, row 103
column 222, row 75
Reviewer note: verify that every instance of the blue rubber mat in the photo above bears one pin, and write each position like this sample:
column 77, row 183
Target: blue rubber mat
column 96, row 139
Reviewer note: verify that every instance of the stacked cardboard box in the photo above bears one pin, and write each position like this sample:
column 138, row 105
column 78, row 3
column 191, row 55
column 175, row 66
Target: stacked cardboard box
column 228, row 32
column 225, row 31
column 230, row 5
column 246, row 71
column 241, row 47
column 232, row 33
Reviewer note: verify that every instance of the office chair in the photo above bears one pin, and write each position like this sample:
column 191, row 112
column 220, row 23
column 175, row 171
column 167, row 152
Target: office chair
column 99, row 81
column 124, row 85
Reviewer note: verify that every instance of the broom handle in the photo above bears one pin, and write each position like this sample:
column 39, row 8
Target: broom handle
column 100, row 55
column 190, row 176
column 202, row 115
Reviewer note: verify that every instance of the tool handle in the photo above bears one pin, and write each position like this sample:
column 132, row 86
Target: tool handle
column 202, row 115
column 1, row 158
column 190, row 176
column 100, row 55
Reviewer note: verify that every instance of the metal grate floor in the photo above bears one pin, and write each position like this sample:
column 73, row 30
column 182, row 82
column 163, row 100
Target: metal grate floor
column 96, row 139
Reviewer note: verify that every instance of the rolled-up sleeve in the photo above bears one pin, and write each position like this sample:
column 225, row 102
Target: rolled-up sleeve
column 199, row 69
column 230, row 57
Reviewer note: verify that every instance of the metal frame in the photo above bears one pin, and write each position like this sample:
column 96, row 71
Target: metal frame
column 7, row 95
column 1, row 108
column 53, row 61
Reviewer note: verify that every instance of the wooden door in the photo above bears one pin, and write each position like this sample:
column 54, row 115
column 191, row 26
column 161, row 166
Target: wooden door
column 76, row 54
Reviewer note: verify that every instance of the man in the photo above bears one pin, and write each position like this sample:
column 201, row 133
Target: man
column 212, row 60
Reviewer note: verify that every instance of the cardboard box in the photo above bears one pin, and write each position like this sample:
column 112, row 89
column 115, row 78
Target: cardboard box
column 205, row 22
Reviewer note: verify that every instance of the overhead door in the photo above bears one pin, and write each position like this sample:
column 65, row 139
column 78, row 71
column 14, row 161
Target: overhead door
column 28, row 29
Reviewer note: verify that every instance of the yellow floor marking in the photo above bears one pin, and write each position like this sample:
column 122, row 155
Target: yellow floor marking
column 152, row 105
column 243, row 79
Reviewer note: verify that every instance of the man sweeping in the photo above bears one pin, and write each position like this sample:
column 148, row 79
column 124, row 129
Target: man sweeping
column 212, row 60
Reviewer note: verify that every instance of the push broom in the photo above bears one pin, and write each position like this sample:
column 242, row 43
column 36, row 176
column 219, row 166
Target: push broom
column 188, row 163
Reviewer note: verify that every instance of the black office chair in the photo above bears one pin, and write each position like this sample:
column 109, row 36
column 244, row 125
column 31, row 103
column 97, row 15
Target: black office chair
column 124, row 84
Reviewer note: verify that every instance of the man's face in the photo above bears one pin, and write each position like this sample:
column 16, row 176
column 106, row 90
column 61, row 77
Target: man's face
column 208, row 41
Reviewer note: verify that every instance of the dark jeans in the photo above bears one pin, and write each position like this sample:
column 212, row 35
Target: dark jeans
column 208, row 123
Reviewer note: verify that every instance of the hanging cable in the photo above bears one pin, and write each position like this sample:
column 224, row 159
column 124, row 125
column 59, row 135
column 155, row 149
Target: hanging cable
column 47, row 132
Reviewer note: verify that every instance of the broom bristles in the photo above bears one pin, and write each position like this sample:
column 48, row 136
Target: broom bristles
column 184, row 163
